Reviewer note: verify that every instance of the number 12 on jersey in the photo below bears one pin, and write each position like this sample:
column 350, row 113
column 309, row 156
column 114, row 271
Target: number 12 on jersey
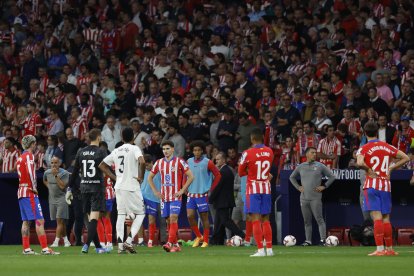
column 263, row 168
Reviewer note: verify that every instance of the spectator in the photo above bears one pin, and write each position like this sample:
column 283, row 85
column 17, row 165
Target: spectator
column 226, row 131
column 52, row 150
column 56, row 125
column 111, row 135
column 243, row 132
column 9, row 155
column 79, row 125
column 71, row 146
column 178, row 140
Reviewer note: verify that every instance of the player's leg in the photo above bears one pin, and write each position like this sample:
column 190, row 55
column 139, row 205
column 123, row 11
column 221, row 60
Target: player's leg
column 175, row 207
column 362, row 177
column 53, row 214
column 63, row 215
column 40, row 229
column 265, row 210
column 249, row 230
column 97, row 206
column 135, row 204
column 386, row 210
column 191, row 216
column 120, row 221
column 79, row 219
column 206, row 228
column 316, row 208
column 107, row 224
column 101, row 231
column 372, row 203
column 26, row 237
column 152, row 227
column 307, row 220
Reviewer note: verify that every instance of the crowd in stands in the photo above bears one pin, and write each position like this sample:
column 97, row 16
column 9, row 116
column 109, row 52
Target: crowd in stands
column 308, row 73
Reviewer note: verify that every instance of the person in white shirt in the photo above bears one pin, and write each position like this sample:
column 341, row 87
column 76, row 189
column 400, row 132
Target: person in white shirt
column 129, row 169
column 111, row 135
column 139, row 135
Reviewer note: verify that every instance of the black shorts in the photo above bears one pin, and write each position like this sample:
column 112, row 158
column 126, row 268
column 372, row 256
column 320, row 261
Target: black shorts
column 93, row 202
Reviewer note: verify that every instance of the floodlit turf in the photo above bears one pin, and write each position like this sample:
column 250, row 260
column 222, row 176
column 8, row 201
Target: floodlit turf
column 218, row 260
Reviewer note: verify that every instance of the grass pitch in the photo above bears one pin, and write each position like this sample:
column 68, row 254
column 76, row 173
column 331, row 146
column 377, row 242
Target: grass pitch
column 215, row 260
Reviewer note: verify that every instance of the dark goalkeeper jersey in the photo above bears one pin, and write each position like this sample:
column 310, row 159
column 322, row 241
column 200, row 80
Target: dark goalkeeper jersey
column 87, row 161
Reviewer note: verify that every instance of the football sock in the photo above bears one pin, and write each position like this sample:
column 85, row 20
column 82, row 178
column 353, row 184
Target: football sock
column 136, row 224
column 108, row 229
column 258, row 234
column 42, row 241
column 267, row 233
column 196, row 231
column 101, row 231
column 152, row 228
column 172, row 234
column 65, row 239
column 26, row 242
column 249, row 230
column 120, row 222
column 56, row 240
column 388, row 234
column 92, row 235
column 379, row 234
column 206, row 234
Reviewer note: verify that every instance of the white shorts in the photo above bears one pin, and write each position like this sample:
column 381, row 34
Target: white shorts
column 130, row 202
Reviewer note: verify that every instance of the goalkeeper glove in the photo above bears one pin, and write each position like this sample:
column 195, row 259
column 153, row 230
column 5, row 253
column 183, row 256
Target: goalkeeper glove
column 69, row 196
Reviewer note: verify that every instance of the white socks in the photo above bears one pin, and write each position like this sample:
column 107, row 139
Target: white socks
column 136, row 225
column 120, row 222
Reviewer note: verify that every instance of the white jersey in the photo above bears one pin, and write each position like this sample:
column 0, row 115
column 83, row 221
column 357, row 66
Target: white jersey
column 126, row 163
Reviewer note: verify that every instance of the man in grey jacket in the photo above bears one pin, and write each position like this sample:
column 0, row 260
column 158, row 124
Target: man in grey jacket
column 311, row 173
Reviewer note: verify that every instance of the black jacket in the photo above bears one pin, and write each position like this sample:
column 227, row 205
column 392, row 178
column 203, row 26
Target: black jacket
column 389, row 134
column 223, row 194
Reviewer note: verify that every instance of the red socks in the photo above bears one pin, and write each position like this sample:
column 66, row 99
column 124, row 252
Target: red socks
column 26, row 242
column 101, row 231
column 172, row 234
column 388, row 234
column 379, row 232
column 196, row 231
column 152, row 228
column 206, row 234
column 249, row 230
column 258, row 233
column 42, row 241
column 267, row 233
column 108, row 229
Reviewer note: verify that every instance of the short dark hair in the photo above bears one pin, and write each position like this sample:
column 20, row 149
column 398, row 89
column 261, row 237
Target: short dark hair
column 167, row 143
column 94, row 133
column 257, row 135
column 309, row 149
column 198, row 143
column 371, row 129
column 127, row 134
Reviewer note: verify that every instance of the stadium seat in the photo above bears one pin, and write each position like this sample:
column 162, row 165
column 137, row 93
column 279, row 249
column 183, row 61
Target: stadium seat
column 403, row 236
column 348, row 240
column 185, row 234
column 339, row 233
column 50, row 235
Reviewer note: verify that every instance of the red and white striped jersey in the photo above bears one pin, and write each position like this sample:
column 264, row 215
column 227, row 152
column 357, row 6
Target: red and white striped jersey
column 109, row 188
column 152, row 62
column 44, row 83
column 337, row 88
column 377, row 155
column 32, row 122
column 169, row 40
column 93, row 37
column 39, row 157
column 87, row 112
column 90, row 100
column 7, row 38
column 295, row 68
column 81, row 79
column 172, row 176
column 9, row 160
column 354, row 126
column 256, row 163
column 329, row 146
column 26, row 169
column 34, row 94
column 79, row 127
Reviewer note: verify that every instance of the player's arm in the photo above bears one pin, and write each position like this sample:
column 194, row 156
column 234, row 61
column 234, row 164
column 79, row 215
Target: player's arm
column 141, row 171
column 45, row 181
column 331, row 178
column 152, row 185
column 403, row 159
column 242, row 170
column 107, row 170
column 62, row 181
column 215, row 171
column 187, row 184
column 293, row 180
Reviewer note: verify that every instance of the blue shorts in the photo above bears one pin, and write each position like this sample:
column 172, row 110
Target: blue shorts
column 30, row 208
column 151, row 207
column 198, row 203
column 109, row 205
column 375, row 200
column 170, row 208
column 258, row 204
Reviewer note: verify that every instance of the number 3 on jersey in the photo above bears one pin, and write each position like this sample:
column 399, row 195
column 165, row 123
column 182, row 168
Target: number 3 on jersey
column 375, row 161
column 262, row 169
column 89, row 169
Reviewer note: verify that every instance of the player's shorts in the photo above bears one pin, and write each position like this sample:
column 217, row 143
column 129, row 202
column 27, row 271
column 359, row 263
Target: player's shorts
column 258, row 204
column 59, row 211
column 93, row 202
column 198, row 203
column 170, row 208
column 130, row 202
column 151, row 207
column 30, row 208
column 109, row 203
column 375, row 200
